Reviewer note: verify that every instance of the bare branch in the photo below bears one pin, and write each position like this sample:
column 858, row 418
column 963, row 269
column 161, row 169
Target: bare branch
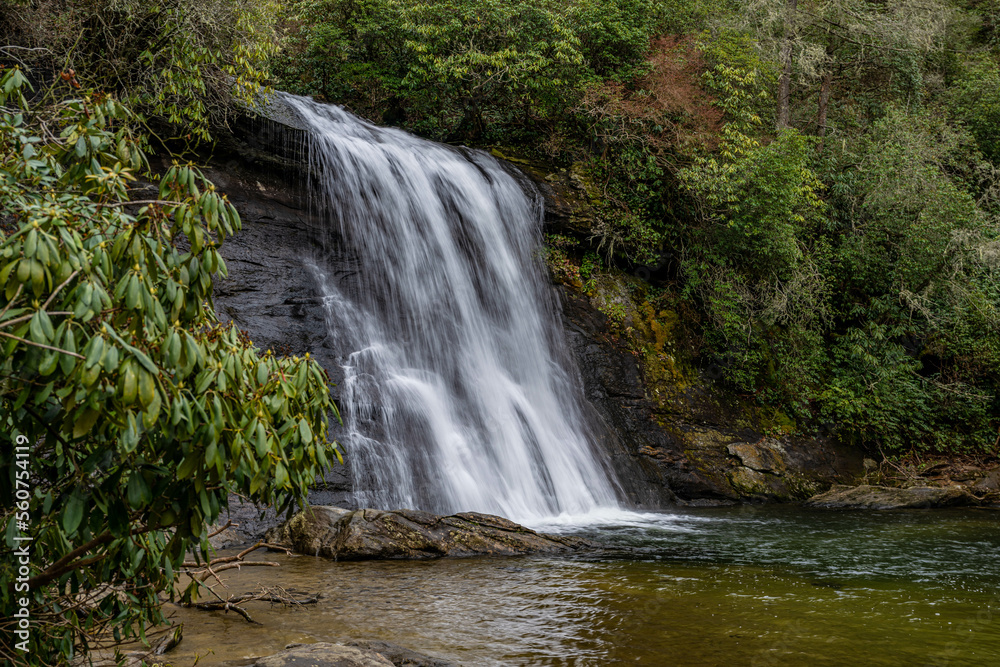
column 18, row 320
column 47, row 347
column 58, row 289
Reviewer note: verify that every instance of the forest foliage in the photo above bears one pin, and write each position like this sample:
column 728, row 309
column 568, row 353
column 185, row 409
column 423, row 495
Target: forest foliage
column 823, row 173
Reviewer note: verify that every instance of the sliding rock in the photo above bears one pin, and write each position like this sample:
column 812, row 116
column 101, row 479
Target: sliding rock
column 369, row 534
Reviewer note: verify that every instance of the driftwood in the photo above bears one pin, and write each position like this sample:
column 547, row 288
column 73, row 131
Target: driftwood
column 273, row 594
column 201, row 572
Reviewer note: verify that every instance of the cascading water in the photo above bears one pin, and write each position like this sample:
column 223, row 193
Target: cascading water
column 454, row 397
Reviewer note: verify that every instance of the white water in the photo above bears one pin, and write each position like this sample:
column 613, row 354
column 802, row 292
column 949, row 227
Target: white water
column 454, row 397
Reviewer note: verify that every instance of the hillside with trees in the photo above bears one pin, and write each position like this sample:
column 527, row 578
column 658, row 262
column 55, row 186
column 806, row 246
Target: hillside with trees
column 821, row 175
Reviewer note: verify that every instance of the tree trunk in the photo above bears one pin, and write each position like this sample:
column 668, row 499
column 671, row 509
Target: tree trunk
column 785, row 83
column 824, row 103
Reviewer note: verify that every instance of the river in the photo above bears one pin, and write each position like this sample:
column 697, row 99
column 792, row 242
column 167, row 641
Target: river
column 750, row 585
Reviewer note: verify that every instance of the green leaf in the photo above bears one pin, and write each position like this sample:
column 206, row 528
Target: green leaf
column 152, row 412
column 85, row 422
column 147, row 388
column 305, row 433
column 130, row 383
column 210, row 453
column 139, row 493
column 72, row 513
column 39, row 332
column 95, row 352
column 111, row 359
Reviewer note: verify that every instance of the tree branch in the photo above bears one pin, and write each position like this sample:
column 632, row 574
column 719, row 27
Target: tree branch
column 42, row 345
column 67, row 562
column 11, row 302
column 63, row 284
column 18, row 320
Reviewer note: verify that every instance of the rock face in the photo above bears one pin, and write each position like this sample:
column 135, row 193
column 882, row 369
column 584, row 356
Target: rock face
column 697, row 441
column 368, row 534
column 887, row 498
column 692, row 448
column 990, row 484
column 399, row 656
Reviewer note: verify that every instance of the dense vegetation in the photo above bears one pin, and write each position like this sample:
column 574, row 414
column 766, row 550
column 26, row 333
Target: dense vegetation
column 134, row 411
column 824, row 175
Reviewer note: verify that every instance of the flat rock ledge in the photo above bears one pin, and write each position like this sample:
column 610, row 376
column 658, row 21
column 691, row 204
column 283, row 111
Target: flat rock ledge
column 888, row 498
column 349, row 654
column 369, row 534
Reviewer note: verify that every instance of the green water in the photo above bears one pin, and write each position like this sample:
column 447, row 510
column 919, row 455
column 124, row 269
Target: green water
column 743, row 586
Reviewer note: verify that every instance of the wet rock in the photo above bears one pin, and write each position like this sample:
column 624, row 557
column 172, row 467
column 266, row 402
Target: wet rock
column 988, row 484
column 665, row 451
column 399, row 656
column 761, row 456
column 247, row 523
column 750, row 482
column 228, row 537
column 369, row 534
column 323, row 654
column 987, row 489
column 755, row 485
column 886, row 498
column 570, row 196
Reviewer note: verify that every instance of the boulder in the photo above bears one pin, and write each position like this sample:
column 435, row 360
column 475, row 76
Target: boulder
column 323, row 654
column 369, row 534
column 989, row 484
column 399, row 656
column 888, row 498
column 987, row 489
column 357, row 653
column 761, row 456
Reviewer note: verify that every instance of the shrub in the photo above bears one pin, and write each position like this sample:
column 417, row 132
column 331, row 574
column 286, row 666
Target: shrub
column 138, row 412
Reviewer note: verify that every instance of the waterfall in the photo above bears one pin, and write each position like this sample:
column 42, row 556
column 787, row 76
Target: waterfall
column 456, row 394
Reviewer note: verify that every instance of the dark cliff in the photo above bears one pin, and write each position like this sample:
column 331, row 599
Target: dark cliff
column 696, row 446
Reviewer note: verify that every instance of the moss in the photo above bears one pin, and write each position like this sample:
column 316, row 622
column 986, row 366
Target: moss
column 749, row 482
column 642, row 321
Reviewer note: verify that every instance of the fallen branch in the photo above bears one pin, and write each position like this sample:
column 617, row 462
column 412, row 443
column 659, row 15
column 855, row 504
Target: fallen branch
column 229, row 562
column 274, row 595
column 200, row 572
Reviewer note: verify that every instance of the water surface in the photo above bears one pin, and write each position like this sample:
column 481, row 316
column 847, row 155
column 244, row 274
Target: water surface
column 738, row 586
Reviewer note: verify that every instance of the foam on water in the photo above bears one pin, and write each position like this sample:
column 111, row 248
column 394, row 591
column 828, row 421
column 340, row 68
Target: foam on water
column 613, row 518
